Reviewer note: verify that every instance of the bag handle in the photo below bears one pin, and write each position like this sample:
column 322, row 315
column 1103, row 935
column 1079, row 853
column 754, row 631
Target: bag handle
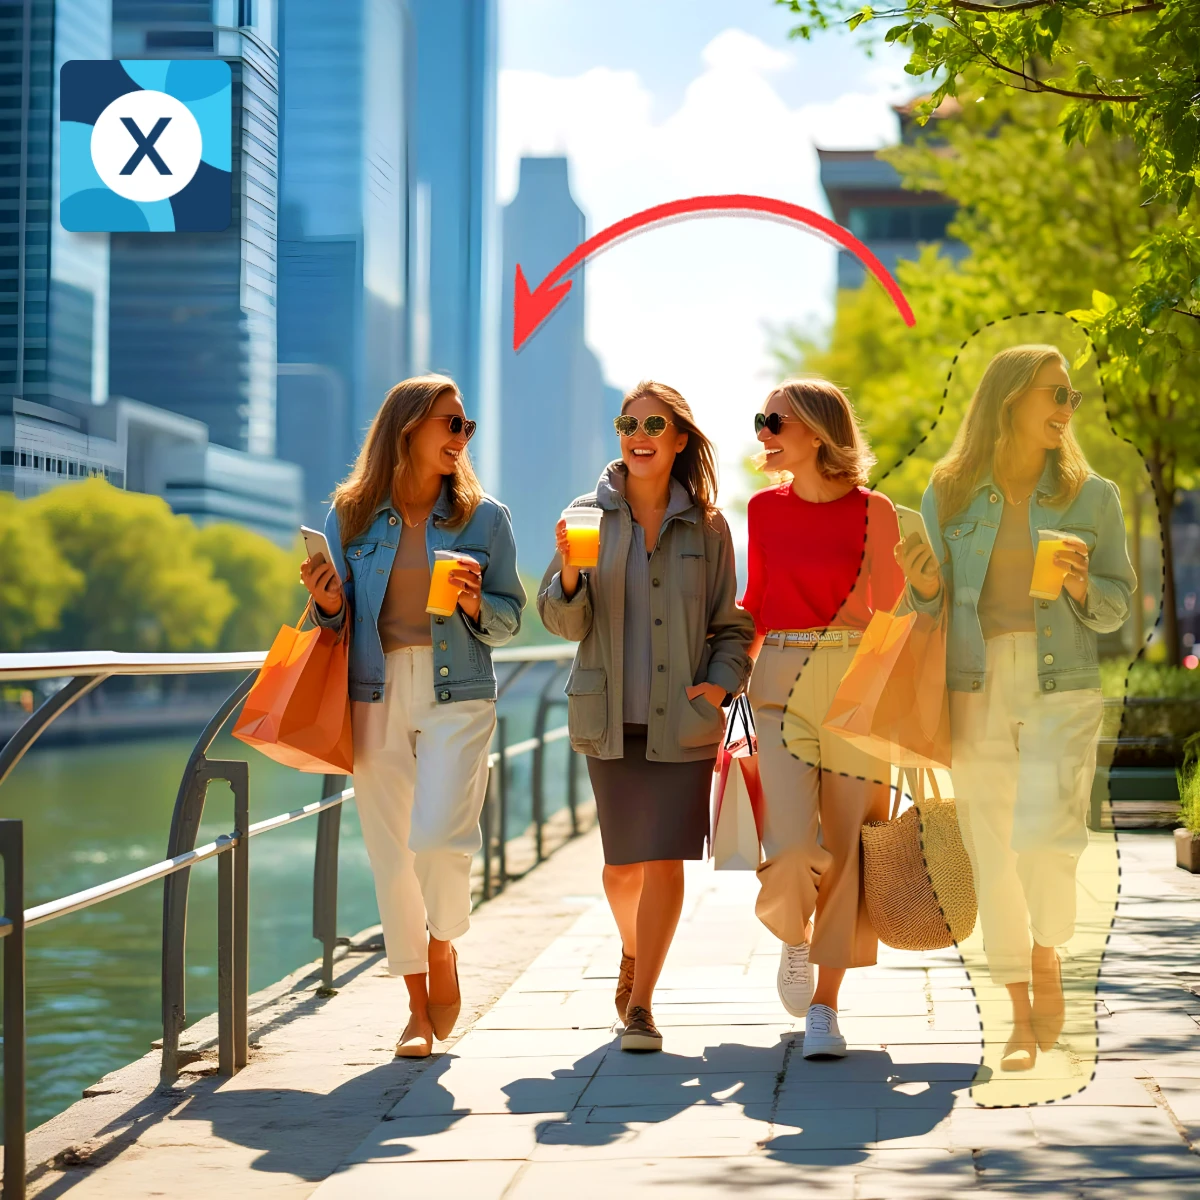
column 915, row 777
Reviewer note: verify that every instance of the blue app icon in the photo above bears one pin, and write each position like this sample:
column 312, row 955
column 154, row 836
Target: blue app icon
column 145, row 146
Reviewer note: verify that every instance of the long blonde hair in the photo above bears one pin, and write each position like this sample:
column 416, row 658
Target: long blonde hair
column 985, row 440
column 827, row 411
column 383, row 462
column 695, row 465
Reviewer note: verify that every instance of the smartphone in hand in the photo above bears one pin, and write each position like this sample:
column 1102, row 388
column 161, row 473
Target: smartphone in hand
column 316, row 545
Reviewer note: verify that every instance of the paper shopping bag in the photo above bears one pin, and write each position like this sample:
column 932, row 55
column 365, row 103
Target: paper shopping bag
column 892, row 702
column 298, row 710
column 737, row 814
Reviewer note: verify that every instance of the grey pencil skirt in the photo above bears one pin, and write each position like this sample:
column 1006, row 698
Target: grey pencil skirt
column 650, row 810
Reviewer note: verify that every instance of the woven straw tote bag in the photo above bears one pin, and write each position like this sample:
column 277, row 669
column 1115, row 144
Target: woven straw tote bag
column 919, row 887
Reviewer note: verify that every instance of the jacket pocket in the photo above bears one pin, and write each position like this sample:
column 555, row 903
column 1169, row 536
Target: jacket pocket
column 587, row 704
column 691, row 574
column 700, row 724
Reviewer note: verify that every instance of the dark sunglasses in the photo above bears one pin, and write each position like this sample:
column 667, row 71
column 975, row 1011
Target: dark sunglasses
column 772, row 421
column 652, row 426
column 458, row 425
column 1062, row 394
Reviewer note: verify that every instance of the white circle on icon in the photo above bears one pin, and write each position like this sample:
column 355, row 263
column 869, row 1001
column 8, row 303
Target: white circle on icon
column 146, row 146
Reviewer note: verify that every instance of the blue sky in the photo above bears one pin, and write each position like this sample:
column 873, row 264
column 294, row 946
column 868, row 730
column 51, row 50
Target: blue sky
column 652, row 100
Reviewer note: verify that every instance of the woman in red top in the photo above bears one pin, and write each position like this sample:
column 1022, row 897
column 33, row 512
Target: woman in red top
column 821, row 561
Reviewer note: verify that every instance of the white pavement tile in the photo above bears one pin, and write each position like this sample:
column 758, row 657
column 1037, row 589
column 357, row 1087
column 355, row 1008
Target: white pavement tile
column 532, row 1043
column 454, row 1137
column 808, row 1093
column 1064, row 1125
column 484, row 1180
column 681, row 1090
column 678, row 1137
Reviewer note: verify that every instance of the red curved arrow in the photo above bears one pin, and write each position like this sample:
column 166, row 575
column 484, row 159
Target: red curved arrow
column 531, row 308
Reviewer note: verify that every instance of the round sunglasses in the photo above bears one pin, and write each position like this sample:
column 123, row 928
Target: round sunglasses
column 1062, row 394
column 458, row 424
column 772, row 421
column 653, row 426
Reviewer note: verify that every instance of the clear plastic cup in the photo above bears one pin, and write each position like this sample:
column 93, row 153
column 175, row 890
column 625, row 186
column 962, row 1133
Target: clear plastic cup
column 1047, row 582
column 583, row 536
column 443, row 595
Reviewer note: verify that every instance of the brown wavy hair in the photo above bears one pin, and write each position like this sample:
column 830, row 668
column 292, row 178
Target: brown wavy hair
column 827, row 411
column 695, row 465
column 384, row 462
column 985, row 439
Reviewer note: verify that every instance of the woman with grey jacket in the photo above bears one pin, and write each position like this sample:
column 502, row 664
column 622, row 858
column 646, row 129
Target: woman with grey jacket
column 663, row 646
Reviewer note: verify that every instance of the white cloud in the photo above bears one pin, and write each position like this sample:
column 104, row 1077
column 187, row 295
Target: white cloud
column 689, row 303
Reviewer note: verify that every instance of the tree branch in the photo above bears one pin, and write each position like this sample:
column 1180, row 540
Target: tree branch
column 1183, row 312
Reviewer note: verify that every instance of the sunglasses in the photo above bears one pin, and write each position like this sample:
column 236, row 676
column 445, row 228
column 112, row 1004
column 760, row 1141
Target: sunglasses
column 772, row 421
column 652, row 426
column 458, row 425
column 1062, row 395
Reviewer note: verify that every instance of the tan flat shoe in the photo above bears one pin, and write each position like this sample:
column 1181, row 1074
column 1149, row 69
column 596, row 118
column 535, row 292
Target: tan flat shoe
column 443, row 1016
column 413, row 1045
column 1020, row 1054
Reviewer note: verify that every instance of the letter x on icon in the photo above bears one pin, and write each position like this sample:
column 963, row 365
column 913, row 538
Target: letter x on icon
column 145, row 145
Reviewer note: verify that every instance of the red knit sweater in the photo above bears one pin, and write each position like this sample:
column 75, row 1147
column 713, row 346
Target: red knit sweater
column 815, row 566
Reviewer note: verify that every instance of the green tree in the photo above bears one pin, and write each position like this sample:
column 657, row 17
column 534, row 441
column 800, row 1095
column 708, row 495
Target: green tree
column 146, row 586
column 262, row 578
column 36, row 582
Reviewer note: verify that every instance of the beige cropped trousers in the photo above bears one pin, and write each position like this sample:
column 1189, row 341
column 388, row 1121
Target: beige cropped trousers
column 818, row 790
column 420, row 775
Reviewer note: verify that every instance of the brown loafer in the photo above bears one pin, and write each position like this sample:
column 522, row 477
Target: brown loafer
column 640, row 1031
column 443, row 1016
column 624, row 985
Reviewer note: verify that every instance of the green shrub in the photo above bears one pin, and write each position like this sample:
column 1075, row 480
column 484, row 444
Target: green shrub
column 1149, row 680
column 1189, row 785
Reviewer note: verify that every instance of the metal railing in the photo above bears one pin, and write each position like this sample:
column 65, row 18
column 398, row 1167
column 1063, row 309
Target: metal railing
column 84, row 672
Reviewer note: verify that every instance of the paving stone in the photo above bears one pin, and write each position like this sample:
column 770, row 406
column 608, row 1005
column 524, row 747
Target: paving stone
column 484, row 1180
column 682, row 1090
column 461, row 1136
column 518, row 1085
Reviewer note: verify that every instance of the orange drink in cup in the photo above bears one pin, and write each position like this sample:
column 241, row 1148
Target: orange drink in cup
column 443, row 595
column 583, row 536
column 1048, row 577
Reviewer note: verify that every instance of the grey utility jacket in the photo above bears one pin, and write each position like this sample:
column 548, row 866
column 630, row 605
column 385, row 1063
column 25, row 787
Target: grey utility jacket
column 698, row 633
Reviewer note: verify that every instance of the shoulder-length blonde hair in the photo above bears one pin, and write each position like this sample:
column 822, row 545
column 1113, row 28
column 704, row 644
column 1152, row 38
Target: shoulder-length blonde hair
column 383, row 462
column 827, row 411
column 985, row 440
column 696, row 464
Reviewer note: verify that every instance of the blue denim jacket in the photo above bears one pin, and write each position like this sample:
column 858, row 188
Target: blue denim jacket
column 462, row 658
column 1066, row 630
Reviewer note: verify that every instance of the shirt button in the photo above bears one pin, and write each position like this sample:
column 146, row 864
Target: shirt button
column 441, row 645
column 1049, row 685
column 360, row 620
column 1047, row 659
column 443, row 671
column 660, row 711
column 1043, row 604
column 655, row 582
column 443, row 695
column 974, row 685
column 441, row 620
column 658, row 620
column 374, row 695
column 993, row 498
column 391, row 520
column 980, row 550
column 661, row 667
column 1046, row 630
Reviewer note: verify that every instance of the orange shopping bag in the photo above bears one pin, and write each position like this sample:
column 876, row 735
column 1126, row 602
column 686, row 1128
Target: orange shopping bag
column 892, row 702
column 298, row 710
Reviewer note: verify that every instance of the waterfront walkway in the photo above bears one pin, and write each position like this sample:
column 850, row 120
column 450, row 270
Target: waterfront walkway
column 535, row 1099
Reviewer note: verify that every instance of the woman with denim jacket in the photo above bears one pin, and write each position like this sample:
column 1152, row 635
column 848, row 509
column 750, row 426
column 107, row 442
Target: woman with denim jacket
column 423, row 688
column 662, row 646
column 1022, row 671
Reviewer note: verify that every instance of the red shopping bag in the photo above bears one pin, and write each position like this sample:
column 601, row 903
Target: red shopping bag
column 737, row 806
column 298, row 710
column 892, row 702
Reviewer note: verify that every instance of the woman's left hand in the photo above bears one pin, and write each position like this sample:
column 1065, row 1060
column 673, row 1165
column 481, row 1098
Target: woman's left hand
column 468, row 578
column 712, row 692
column 1075, row 558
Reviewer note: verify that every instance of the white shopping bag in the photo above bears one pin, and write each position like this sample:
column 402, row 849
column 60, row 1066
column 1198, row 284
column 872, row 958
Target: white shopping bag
column 736, row 795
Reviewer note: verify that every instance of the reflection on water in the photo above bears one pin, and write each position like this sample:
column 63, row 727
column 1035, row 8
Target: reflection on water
column 92, row 813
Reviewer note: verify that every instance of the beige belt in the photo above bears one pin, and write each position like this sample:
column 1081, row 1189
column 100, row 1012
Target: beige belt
column 813, row 638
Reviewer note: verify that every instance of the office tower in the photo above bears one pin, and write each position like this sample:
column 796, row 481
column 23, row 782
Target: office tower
column 557, row 410
column 455, row 255
column 192, row 316
column 865, row 195
column 344, row 107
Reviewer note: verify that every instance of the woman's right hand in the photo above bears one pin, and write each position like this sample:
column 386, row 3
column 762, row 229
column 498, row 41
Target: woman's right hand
column 568, row 574
column 920, row 568
column 323, row 584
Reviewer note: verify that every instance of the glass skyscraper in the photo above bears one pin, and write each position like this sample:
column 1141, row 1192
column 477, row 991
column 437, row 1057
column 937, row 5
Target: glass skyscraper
column 343, row 315
column 193, row 315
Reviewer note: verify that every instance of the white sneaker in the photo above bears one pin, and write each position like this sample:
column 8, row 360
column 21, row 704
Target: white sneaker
column 794, row 979
column 822, row 1037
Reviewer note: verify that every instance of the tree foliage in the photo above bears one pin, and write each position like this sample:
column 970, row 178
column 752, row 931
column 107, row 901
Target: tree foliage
column 36, row 582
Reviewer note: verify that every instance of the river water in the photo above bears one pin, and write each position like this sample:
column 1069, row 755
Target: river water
column 94, row 812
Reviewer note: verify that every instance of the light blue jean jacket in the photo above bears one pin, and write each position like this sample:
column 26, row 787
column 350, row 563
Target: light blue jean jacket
column 1066, row 630
column 462, row 657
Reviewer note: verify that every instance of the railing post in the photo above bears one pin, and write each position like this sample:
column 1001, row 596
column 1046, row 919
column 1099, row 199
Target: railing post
column 487, row 821
column 13, row 851
column 325, row 879
column 233, row 925
column 573, row 789
column 502, row 790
